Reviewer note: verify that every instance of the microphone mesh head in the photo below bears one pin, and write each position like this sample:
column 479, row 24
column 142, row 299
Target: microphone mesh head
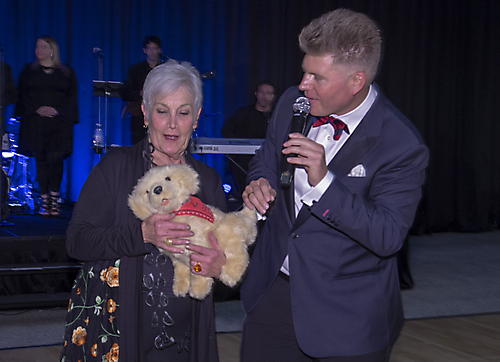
column 302, row 105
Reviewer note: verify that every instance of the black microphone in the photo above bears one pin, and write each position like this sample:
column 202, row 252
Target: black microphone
column 301, row 109
column 98, row 51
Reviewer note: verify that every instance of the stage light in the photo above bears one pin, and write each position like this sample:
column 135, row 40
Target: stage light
column 227, row 188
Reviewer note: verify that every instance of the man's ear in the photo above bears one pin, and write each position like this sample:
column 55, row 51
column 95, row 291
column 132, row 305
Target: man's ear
column 358, row 81
column 144, row 50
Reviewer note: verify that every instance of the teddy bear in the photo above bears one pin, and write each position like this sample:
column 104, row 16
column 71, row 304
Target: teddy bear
column 170, row 189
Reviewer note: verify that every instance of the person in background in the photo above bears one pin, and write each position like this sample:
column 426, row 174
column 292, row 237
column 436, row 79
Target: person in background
column 122, row 301
column 322, row 284
column 48, row 108
column 9, row 87
column 249, row 122
column 132, row 87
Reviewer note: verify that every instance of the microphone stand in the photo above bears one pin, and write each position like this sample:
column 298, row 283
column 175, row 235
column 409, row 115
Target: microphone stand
column 101, row 77
column 100, row 150
column 103, row 89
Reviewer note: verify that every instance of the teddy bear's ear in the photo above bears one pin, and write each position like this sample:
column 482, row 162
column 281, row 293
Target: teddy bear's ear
column 139, row 204
column 191, row 180
column 138, row 200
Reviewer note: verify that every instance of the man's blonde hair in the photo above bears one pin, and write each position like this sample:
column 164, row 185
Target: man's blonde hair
column 351, row 38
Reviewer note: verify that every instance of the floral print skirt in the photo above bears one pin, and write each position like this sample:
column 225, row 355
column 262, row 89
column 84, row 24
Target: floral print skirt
column 92, row 331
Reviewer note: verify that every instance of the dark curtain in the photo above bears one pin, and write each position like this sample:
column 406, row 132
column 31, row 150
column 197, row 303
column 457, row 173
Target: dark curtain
column 440, row 67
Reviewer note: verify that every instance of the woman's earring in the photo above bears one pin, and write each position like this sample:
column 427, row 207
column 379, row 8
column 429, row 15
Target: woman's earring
column 145, row 126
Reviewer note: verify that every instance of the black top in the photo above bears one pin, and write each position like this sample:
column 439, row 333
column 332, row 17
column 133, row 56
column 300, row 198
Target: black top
column 58, row 89
column 132, row 87
column 247, row 122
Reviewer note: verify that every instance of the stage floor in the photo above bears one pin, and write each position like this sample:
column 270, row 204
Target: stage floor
column 35, row 270
column 25, row 225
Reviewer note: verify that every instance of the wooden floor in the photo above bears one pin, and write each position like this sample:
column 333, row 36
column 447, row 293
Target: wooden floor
column 462, row 339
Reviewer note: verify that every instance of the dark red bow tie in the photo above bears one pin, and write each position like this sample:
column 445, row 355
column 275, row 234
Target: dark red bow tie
column 337, row 124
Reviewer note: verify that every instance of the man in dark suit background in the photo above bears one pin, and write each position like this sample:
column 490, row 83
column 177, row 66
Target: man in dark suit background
column 322, row 282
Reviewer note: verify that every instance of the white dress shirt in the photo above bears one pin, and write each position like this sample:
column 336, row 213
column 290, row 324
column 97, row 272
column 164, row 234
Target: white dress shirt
column 304, row 192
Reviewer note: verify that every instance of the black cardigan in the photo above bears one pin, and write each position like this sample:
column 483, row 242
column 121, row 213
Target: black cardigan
column 103, row 227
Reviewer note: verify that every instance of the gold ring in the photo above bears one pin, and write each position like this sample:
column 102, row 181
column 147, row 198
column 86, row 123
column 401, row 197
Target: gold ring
column 169, row 241
column 197, row 267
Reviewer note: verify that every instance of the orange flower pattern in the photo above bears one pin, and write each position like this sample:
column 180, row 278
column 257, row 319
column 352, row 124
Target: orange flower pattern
column 93, row 351
column 111, row 305
column 79, row 336
column 92, row 309
column 112, row 355
column 110, row 276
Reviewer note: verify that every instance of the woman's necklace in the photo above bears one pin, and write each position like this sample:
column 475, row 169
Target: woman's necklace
column 48, row 69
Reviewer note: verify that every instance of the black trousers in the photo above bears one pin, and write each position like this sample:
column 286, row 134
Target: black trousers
column 49, row 170
column 268, row 332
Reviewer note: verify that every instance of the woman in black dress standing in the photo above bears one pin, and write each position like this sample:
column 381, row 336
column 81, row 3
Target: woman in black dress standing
column 48, row 108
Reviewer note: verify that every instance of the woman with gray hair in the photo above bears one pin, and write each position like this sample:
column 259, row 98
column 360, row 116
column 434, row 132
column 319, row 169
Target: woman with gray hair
column 122, row 302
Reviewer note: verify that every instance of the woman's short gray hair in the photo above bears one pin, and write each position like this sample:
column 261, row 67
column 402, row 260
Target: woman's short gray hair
column 168, row 78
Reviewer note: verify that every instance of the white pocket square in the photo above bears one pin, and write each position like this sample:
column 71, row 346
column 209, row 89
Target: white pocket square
column 358, row 171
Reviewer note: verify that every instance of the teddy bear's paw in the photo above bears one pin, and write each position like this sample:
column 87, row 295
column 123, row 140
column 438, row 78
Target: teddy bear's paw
column 182, row 278
column 200, row 287
column 232, row 273
column 248, row 222
column 180, row 288
column 234, row 269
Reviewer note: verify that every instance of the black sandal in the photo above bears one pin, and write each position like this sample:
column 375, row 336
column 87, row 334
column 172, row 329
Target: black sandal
column 45, row 207
column 54, row 204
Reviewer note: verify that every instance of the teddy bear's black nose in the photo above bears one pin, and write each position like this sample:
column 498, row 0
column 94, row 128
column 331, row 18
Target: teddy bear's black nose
column 158, row 190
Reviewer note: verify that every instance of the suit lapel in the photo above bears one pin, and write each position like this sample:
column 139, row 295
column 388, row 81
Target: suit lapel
column 362, row 141
column 352, row 153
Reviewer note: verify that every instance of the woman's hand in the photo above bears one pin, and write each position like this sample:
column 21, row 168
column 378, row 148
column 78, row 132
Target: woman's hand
column 160, row 231
column 211, row 260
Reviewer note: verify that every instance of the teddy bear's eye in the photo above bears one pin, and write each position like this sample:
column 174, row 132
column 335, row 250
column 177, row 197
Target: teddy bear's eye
column 167, row 178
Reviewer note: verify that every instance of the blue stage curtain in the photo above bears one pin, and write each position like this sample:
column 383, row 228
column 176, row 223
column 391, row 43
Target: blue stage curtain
column 190, row 30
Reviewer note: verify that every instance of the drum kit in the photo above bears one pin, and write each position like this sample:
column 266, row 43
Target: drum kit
column 19, row 186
